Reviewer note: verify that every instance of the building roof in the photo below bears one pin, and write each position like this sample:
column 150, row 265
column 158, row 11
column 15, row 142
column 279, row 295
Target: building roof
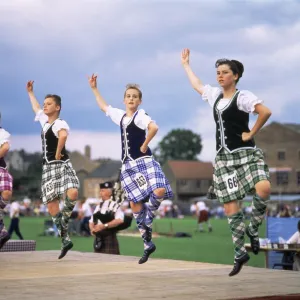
column 186, row 169
column 293, row 126
column 107, row 169
column 82, row 162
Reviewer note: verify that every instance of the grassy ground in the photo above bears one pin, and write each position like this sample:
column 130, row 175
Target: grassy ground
column 215, row 247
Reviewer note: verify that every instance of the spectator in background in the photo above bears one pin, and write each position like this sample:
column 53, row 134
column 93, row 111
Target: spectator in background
column 85, row 213
column 203, row 216
column 14, row 213
column 284, row 212
column 295, row 239
column 193, row 209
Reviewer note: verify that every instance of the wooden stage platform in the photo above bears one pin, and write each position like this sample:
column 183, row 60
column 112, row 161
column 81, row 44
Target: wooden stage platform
column 40, row 275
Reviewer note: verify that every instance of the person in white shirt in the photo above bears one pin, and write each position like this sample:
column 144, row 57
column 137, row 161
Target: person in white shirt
column 85, row 213
column 14, row 213
column 141, row 175
column 58, row 178
column 239, row 166
column 6, row 183
column 295, row 239
column 193, row 209
column 106, row 218
column 203, row 216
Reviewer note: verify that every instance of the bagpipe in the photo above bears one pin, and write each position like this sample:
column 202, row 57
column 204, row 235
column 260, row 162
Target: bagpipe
column 108, row 217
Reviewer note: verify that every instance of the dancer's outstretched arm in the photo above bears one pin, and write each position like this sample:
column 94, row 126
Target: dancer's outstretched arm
column 4, row 148
column 35, row 104
column 194, row 80
column 101, row 102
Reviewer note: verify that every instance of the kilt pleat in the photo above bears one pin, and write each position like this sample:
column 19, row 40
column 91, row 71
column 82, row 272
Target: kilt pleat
column 110, row 244
column 237, row 173
column 57, row 178
column 6, row 180
column 139, row 178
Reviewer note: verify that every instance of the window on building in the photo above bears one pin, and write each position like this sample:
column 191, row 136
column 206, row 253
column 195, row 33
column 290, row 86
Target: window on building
column 282, row 178
column 198, row 184
column 183, row 182
column 281, row 155
column 298, row 177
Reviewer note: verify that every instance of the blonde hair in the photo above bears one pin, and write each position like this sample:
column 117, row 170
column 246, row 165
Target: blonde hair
column 133, row 86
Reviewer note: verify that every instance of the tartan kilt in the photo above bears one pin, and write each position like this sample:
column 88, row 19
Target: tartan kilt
column 57, row 178
column 203, row 216
column 110, row 244
column 6, row 180
column 140, row 177
column 236, row 174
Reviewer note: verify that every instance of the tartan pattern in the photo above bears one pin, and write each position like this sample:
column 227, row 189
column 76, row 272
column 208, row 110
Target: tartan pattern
column 151, row 207
column 257, row 215
column 19, row 245
column 67, row 209
column 62, row 228
column 140, row 218
column 249, row 167
column 110, row 244
column 237, row 227
column 149, row 170
column 63, row 177
column 3, row 232
column 6, row 180
column 3, row 203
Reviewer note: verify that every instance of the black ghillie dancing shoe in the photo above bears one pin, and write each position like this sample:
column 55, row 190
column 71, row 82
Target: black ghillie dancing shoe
column 147, row 253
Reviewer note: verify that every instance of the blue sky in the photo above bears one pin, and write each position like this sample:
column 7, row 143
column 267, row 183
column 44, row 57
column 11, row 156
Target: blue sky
column 58, row 43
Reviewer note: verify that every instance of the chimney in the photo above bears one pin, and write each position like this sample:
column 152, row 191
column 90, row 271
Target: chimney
column 87, row 151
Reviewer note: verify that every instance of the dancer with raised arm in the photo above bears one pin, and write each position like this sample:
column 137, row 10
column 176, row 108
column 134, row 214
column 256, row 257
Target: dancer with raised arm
column 141, row 176
column 239, row 166
column 59, row 177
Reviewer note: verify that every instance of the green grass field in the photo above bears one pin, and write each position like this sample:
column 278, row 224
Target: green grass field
column 214, row 247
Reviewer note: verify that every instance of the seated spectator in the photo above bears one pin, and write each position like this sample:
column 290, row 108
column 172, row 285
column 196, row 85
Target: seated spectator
column 295, row 239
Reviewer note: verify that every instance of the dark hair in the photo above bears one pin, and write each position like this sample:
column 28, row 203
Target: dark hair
column 299, row 226
column 235, row 66
column 134, row 87
column 55, row 98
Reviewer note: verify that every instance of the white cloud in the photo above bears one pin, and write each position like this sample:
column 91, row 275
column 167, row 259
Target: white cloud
column 60, row 41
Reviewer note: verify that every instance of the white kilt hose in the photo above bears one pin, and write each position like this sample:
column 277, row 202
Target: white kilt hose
column 236, row 174
column 140, row 177
column 57, row 178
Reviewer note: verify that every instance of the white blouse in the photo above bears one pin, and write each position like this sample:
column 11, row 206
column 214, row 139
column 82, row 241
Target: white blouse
column 246, row 100
column 142, row 120
column 4, row 137
column 57, row 126
column 119, row 214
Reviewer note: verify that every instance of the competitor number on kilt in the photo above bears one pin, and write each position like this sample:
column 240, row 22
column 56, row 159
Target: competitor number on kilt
column 49, row 187
column 231, row 183
column 141, row 181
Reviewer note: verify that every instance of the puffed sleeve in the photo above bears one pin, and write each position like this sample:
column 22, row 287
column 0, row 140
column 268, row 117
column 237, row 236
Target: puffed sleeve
column 246, row 101
column 41, row 117
column 142, row 120
column 210, row 94
column 4, row 137
column 115, row 114
column 58, row 125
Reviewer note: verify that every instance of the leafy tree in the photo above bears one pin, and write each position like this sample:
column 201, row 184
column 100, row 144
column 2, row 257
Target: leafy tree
column 178, row 144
